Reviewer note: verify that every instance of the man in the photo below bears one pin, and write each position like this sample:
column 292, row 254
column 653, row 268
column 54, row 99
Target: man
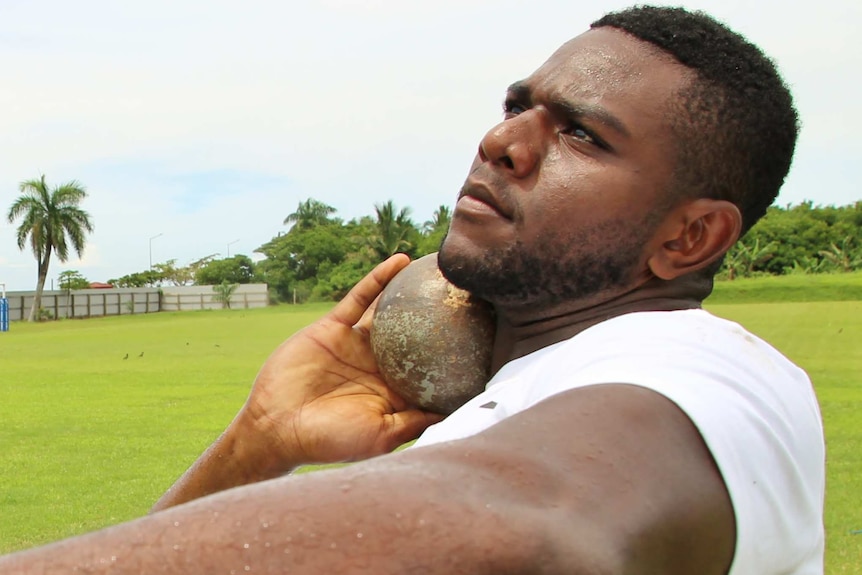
column 625, row 429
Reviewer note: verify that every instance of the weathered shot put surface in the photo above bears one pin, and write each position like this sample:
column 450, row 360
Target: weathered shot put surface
column 432, row 340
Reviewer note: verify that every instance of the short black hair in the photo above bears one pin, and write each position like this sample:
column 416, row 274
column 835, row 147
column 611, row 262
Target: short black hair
column 735, row 122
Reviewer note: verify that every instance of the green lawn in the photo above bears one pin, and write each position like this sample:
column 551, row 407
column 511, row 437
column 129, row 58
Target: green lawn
column 793, row 288
column 91, row 439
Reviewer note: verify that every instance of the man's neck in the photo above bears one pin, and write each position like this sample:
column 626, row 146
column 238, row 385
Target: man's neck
column 521, row 330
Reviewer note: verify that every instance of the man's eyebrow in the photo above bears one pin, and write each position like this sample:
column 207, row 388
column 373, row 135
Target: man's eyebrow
column 521, row 92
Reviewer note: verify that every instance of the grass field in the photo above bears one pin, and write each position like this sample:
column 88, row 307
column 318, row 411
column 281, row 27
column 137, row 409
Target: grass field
column 793, row 288
column 90, row 438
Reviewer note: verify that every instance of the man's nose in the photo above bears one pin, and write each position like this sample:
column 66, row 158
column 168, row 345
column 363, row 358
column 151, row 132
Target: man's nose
column 514, row 144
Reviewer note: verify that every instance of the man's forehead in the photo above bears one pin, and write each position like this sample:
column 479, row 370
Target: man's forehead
column 598, row 50
column 603, row 59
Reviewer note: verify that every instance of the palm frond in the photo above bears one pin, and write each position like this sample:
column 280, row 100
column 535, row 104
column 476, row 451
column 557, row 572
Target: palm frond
column 50, row 218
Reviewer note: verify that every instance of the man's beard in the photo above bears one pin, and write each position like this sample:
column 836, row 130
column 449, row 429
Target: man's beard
column 600, row 259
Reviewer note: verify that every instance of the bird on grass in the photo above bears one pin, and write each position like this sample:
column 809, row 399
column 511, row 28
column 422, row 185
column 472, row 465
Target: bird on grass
column 142, row 354
column 126, row 356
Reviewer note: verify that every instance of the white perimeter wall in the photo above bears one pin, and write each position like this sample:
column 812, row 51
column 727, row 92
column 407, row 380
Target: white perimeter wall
column 125, row 301
column 186, row 298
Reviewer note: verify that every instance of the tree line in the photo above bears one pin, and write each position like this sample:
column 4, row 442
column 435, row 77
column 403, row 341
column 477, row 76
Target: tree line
column 321, row 256
column 800, row 239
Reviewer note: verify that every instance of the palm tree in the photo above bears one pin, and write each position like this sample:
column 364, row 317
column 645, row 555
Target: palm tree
column 223, row 292
column 310, row 213
column 52, row 220
column 439, row 221
column 842, row 258
column 742, row 258
column 392, row 232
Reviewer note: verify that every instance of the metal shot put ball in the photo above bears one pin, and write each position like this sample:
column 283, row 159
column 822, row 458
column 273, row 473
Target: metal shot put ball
column 432, row 341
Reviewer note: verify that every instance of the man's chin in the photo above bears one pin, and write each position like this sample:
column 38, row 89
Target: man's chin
column 452, row 259
column 477, row 269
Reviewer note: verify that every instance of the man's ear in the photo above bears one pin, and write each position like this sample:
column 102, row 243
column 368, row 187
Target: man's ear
column 692, row 236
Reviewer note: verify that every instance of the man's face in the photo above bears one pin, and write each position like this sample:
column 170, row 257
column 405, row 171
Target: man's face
column 565, row 193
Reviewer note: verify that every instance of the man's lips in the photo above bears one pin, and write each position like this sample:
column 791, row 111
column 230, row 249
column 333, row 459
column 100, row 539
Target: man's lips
column 479, row 196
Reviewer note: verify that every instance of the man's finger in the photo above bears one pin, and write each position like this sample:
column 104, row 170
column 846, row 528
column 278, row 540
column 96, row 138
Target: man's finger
column 350, row 309
column 364, row 323
column 409, row 424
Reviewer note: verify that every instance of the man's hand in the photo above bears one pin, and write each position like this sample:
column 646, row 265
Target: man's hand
column 318, row 399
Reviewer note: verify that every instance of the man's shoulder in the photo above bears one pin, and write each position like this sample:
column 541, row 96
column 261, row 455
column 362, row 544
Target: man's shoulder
column 693, row 325
column 671, row 336
column 676, row 337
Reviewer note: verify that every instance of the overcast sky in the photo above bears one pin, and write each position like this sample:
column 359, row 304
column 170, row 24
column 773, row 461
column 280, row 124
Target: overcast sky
column 208, row 122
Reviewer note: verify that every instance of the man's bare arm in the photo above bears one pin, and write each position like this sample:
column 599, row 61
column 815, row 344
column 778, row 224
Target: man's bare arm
column 604, row 479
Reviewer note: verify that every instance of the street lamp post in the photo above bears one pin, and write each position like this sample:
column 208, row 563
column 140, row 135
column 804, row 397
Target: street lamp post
column 151, row 248
column 229, row 245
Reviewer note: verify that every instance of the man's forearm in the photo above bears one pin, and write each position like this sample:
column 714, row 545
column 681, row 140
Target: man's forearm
column 554, row 489
column 234, row 459
column 366, row 517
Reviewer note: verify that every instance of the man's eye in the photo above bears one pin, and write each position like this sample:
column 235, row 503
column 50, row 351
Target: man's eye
column 510, row 110
column 580, row 133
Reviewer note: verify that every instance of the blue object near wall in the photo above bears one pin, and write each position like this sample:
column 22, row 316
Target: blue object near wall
column 4, row 314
